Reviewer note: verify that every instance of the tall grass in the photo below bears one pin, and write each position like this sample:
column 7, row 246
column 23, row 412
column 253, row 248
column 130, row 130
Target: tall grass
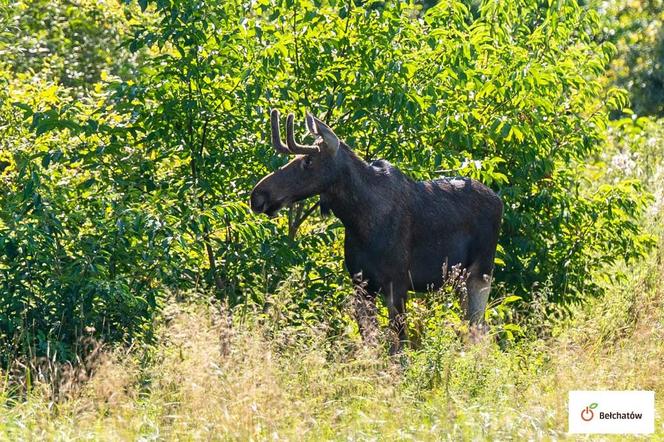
column 209, row 379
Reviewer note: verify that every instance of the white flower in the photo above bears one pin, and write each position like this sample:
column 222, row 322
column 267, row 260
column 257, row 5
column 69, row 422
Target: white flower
column 623, row 162
column 467, row 162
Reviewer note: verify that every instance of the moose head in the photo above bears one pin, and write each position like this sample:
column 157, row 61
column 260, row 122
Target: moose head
column 313, row 170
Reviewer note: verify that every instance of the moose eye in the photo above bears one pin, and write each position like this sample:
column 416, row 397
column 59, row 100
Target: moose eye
column 307, row 162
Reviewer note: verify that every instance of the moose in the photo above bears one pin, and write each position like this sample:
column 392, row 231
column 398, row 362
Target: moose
column 399, row 233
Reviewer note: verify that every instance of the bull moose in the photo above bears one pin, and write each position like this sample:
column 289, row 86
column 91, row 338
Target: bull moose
column 399, row 233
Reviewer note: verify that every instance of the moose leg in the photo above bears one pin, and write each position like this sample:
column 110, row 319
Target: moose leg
column 479, row 286
column 396, row 306
column 364, row 309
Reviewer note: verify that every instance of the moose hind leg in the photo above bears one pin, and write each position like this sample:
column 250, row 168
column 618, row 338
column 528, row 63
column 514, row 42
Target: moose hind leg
column 479, row 287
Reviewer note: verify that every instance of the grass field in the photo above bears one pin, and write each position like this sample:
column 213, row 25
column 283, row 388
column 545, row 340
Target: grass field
column 207, row 379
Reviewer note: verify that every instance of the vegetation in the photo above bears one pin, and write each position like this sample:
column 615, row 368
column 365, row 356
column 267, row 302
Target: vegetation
column 636, row 30
column 139, row 297
column 208, row 380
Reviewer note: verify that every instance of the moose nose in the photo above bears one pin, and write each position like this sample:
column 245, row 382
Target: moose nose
column 258, row 201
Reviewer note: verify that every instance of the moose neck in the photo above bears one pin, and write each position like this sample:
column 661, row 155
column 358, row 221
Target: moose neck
column 352, row 198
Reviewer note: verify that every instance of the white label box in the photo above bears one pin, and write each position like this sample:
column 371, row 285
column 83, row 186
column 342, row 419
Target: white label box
column 611, row 412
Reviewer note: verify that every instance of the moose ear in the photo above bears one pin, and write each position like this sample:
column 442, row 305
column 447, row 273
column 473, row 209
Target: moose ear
column 311, row 125
column 323, row 130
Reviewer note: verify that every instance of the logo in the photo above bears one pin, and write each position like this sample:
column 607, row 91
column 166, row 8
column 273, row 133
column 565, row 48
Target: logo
column 587, row 413
column 611, row 412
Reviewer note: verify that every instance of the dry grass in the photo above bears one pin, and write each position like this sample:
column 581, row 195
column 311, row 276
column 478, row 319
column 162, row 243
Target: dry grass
column 209, row 380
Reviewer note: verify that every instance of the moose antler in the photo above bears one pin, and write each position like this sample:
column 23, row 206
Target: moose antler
column 276, row 138
column 293, row 146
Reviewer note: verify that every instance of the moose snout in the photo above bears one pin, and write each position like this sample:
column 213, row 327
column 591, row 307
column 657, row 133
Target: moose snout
column 259, row 201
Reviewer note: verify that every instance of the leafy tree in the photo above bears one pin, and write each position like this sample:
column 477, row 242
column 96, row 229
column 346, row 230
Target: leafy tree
column 636, row 30
column 121, row 190
column 73, row 255
column 517, row 88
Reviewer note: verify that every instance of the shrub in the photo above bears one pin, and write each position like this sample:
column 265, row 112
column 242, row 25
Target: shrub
column 138, row 184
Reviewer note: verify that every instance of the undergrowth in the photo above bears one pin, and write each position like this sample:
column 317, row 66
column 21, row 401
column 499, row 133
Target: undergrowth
column 214, row 376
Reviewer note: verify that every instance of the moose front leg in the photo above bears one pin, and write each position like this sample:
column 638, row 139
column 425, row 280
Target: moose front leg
column 395, row 298
column 364, row 309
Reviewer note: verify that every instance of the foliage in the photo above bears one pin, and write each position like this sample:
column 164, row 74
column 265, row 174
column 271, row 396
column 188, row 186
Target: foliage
column 449, row 87
column 634, row 151
column 69, row 42
column 71, row 256
column 127, row 168
column 636, row 30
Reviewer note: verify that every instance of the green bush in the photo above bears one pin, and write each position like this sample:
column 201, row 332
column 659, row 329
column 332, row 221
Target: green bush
column 510, row 95
column 636, row 30
column 138, row 185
